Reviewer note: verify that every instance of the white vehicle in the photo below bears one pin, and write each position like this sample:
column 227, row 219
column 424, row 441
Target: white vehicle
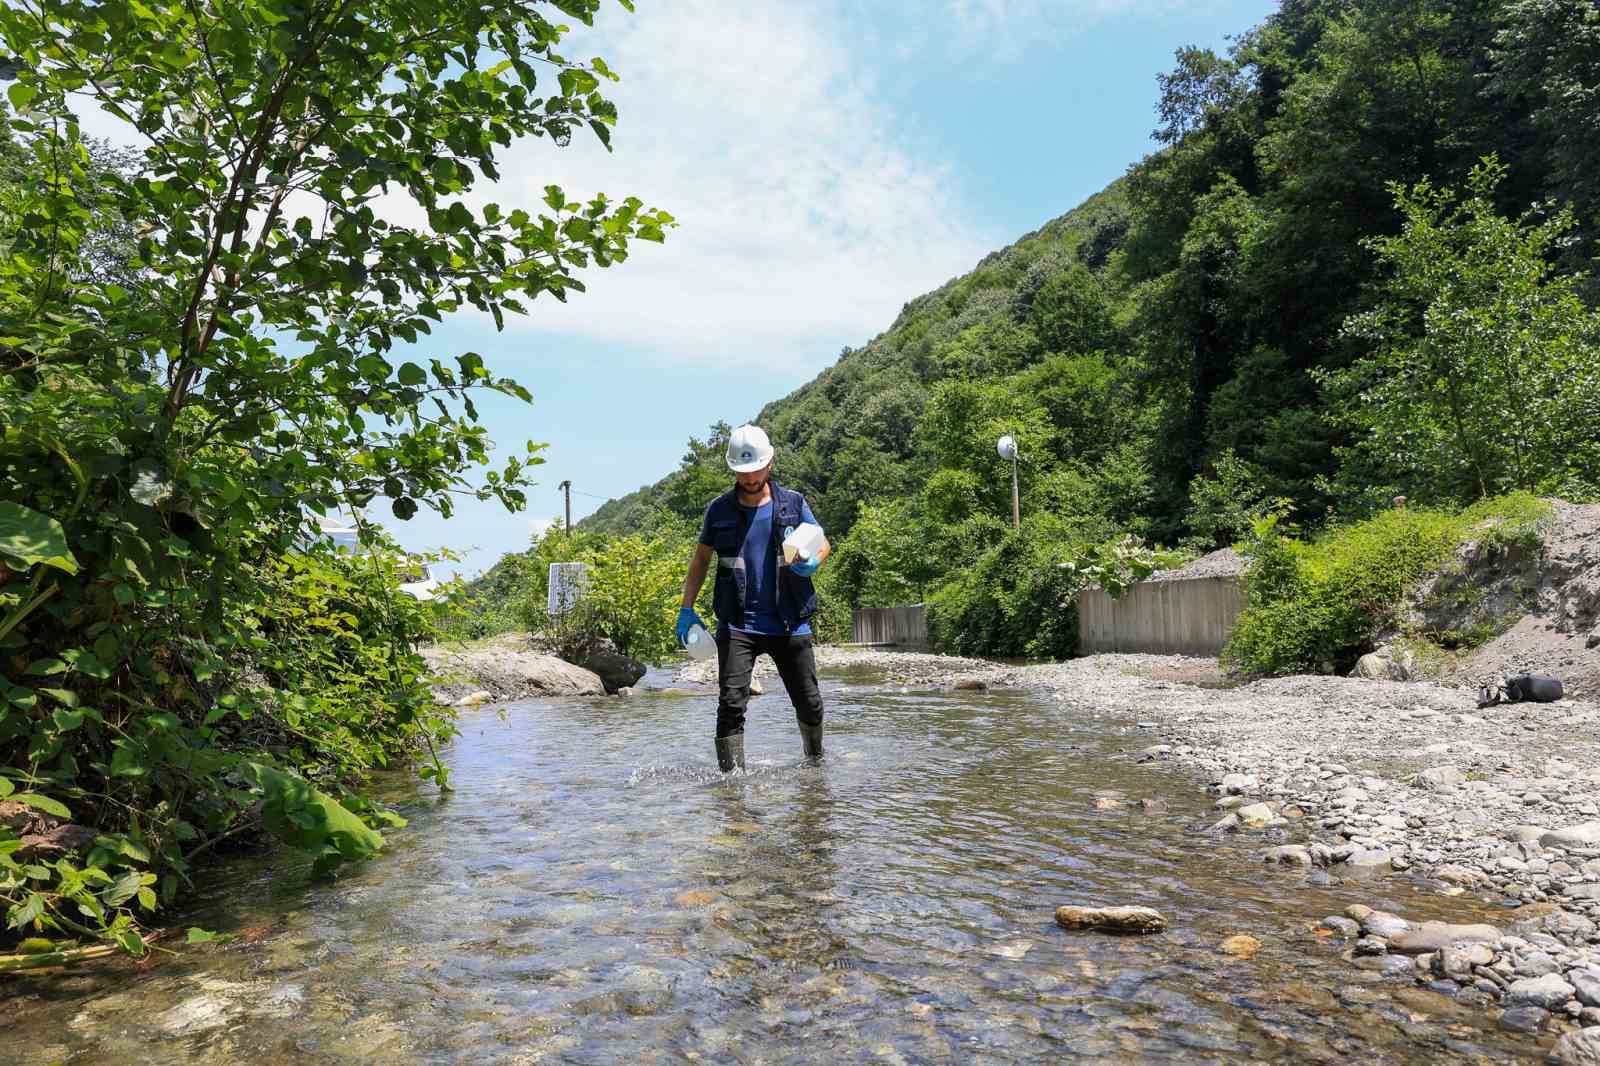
column 418, row 582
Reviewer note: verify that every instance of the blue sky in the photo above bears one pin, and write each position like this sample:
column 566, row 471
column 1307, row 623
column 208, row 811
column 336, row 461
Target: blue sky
column 827, row 161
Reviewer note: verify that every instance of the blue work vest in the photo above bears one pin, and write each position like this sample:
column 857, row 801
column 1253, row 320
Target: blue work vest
column 727, row 523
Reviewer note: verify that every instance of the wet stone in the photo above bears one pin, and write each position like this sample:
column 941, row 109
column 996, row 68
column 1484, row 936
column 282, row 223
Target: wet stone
column 1345, row 927
column 1384, row 924
column 1578, row 1049
column 1525, row 1019
column 1433, row 936
column 1111, row 919
column 1586, row 985
column 1548, row 991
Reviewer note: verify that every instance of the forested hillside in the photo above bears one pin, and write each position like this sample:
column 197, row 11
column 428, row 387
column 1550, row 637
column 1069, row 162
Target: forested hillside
column 1361, row 265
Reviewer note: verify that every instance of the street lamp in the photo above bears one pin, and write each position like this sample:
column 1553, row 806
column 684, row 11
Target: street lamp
column 1007, row 447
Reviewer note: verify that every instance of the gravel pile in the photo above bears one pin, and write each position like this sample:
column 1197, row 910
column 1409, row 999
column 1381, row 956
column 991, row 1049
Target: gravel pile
column 1222, row 563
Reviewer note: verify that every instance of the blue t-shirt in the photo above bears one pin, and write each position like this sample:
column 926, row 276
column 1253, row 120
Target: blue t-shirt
column 761, row 575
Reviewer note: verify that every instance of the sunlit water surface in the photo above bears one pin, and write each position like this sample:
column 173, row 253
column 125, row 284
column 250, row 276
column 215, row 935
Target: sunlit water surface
column 594, row 892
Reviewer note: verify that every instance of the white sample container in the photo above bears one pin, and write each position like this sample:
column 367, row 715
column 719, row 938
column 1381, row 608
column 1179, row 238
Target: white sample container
column 804, row 543
column 699, row 644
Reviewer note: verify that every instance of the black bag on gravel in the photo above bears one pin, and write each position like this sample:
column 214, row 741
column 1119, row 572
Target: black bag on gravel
column 1536, row 688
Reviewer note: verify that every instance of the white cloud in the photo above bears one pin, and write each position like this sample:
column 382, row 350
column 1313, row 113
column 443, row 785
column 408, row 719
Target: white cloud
column 802, row 223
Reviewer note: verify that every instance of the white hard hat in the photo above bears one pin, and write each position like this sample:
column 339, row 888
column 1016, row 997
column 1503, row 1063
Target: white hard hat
column 748, row 449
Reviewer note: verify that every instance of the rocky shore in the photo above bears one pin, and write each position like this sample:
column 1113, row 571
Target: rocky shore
column 1353, row 779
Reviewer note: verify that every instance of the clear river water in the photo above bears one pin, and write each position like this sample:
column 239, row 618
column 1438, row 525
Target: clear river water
column 595, row 892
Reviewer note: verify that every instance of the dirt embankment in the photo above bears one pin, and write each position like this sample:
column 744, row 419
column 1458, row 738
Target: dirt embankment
column 1547, row 609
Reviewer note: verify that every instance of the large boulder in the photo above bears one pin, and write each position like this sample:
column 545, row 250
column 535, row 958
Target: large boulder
column 616, row 670
column 509, row 667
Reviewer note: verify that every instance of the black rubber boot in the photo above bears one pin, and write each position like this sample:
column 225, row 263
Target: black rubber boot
column 730, row 752
column 811, row 736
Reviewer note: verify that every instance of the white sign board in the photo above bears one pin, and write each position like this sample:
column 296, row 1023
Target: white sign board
column 567, row 582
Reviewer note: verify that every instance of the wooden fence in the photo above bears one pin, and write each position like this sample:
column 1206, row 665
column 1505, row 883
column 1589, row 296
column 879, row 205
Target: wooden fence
column 904, row 627
column 1190, row 617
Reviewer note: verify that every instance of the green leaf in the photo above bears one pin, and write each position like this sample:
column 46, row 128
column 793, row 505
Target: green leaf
column 66, row 720
column 35, row 945
column 30, row 537
column 306, row 817
column 21, row 95
column 404, row 508
column 411, row 374
column 147, row 899
column 26, row 912
column 200, row 936
column 6, row 787
column 125, row 888
column 42, row 803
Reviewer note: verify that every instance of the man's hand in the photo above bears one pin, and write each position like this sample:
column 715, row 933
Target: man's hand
column 805, row 567
column 687, row 619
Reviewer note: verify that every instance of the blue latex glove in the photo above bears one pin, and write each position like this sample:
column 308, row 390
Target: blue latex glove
column 804, row 567
column 686, row 620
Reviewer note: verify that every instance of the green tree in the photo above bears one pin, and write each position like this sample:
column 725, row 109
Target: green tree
column 1484, row 374
column 304, row 203
column 1547, row 56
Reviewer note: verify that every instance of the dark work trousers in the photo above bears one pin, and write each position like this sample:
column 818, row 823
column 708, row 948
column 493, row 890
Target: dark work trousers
column 736, row 657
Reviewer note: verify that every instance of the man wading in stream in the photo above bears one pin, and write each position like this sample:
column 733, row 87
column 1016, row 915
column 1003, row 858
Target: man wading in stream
column 762, row 603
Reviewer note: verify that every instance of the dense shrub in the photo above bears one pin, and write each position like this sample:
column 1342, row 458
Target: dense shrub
column 1315, row 606
column 633, row 587
column 178, row 722
column 1020, row 597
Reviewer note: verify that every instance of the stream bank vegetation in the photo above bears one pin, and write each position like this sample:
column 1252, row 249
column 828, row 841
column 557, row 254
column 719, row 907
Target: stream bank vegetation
column 210, row 341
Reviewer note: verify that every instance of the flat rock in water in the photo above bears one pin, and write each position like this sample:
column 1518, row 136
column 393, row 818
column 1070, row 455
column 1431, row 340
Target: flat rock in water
column 1290, row 855
column 1366, row 862
column 1382, row 923
column 1111, row 919
column 1432, row 936
column 1345, row 927
column 1257, row 815
column 1524, row 1019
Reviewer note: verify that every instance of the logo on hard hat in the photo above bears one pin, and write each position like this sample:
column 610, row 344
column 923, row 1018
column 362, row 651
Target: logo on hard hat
column 746, row 454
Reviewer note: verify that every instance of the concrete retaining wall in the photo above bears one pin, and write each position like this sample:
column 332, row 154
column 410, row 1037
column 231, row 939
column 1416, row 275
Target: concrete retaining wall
column 1190, row 617
column 904, row 627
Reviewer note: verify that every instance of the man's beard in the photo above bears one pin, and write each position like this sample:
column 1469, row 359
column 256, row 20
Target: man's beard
column 740, row 490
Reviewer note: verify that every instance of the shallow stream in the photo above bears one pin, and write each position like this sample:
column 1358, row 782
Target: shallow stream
column 595, row 892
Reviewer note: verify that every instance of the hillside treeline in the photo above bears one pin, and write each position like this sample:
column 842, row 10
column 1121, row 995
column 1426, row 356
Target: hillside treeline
column 1361, row 265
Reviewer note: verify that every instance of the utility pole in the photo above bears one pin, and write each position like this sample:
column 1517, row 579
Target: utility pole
column 566, row 486
column 1016, row 498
